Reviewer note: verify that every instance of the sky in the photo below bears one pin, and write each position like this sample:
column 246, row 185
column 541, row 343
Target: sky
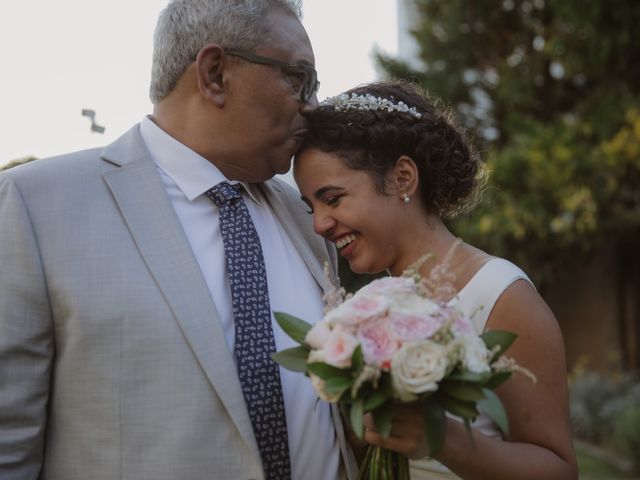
column 60, row 57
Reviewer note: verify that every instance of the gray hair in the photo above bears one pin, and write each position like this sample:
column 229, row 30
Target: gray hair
column 185, row 26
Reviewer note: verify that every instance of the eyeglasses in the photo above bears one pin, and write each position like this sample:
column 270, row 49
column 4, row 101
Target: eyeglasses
column 306, row 76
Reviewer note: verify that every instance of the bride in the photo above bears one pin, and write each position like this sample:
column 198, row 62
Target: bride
column 380, row 170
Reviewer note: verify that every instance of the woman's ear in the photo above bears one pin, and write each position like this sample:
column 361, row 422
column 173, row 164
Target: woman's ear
column 210, row 65
column 404, row 176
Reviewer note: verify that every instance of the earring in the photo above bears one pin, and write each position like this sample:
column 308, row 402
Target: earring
column 405, row 198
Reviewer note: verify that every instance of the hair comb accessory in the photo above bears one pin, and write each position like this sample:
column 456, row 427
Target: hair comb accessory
column 344, row 102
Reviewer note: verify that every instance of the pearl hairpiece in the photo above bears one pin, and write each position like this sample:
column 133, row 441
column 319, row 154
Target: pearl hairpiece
column 344, row 102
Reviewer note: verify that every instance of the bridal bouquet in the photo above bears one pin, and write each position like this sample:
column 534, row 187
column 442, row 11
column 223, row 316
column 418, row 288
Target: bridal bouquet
column 399, row 339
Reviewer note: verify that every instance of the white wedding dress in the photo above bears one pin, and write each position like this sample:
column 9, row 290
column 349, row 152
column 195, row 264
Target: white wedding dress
column 476, row 300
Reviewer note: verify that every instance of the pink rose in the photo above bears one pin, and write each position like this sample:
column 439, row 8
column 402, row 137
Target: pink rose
column 461, row 323
column 339, row 348
column 358, row 309
column 378, row 343
column 318, row 335
column 411, row 327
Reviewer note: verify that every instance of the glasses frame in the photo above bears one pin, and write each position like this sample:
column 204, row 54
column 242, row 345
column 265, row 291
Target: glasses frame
column 310, row 84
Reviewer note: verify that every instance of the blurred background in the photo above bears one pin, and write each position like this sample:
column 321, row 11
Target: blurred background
column 548, row 89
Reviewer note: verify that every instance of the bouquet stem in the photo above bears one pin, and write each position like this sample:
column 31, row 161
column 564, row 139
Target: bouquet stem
column 382, row 464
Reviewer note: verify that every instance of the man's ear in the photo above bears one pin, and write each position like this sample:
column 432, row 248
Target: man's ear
column 404, row 176
column 210, row 64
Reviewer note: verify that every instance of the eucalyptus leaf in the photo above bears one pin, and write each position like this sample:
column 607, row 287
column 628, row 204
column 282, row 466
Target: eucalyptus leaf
column 326, row 372
column 501, row 338
column 374, row 400
column 355, row 417
column 492, row 407
column 294, row 359
column 435, row 424
column 337, row 385
column 357, row 360
column 467, row 376
column 466, row 391
column 382, row 418
column 296, row 328
column 498, row 379
column 460, row 408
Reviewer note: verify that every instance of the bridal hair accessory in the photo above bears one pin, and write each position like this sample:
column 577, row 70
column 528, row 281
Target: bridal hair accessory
column 406, row 198
column 344, row 102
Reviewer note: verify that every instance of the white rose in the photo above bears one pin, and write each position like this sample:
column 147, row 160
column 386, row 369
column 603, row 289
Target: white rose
column 417, row 368
column 318, row 335
column 471, row 352
column 411, row 303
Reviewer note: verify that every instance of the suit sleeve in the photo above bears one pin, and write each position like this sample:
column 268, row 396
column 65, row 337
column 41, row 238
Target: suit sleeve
column 26, row 341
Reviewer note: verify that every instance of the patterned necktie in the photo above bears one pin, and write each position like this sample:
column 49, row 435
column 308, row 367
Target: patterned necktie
column 254, row 343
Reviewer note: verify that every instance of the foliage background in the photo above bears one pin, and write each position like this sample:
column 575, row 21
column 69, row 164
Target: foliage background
column 550, row 92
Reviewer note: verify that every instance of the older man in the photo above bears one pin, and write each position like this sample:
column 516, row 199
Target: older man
column 138, row 281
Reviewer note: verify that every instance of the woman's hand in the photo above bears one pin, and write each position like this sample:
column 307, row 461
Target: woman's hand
column 407, row 435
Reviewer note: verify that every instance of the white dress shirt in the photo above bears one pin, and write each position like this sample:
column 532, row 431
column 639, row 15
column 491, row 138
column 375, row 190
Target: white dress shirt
column 292, row 289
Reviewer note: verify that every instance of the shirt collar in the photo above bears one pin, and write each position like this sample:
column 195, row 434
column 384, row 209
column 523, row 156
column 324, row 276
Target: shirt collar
column 192, row 173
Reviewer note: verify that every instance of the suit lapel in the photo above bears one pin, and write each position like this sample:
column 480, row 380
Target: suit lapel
column 154, row 225
column 310, row 246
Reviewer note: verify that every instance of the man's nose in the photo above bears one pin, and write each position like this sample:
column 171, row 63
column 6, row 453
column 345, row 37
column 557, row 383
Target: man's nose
column 309, row 105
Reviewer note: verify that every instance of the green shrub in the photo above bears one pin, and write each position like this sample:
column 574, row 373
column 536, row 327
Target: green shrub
column 626, row 433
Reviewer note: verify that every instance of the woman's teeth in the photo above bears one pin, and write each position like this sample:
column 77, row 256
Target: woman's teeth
column 346, row 240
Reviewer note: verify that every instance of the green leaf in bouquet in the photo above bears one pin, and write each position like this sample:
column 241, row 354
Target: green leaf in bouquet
column 459, row 408
column 337, row 385
column 355, row 417
column 492, row 407
column 435, row 424
column 382, row 418
column 294, row 359
column 466, row 391
column 385, row 385
column 467, row 376
column 296, row 328
column 501, row 338
column 377, row 398
column 357, row 360
column 326, row 372
column 497, row 379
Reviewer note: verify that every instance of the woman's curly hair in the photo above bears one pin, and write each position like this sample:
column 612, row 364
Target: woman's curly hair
column 449, row 168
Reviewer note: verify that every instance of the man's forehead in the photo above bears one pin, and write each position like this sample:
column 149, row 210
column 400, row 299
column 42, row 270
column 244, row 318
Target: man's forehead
column 288, row 36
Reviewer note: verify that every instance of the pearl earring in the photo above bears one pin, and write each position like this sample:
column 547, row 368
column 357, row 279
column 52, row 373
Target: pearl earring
column 405, row 198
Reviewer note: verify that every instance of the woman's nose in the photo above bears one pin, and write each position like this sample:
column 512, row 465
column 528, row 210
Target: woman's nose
column 323, row 224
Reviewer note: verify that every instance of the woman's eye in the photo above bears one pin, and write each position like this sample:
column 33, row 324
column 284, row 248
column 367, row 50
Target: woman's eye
column 333, row 200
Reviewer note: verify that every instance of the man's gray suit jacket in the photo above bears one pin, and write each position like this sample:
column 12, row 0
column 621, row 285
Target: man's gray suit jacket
column 113, row 364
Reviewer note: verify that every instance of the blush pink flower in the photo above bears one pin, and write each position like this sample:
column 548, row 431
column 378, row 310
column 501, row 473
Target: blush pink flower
column 411, row 327
column 460, row 322
column 358, row 309
column 339, row 348
column 378, row 343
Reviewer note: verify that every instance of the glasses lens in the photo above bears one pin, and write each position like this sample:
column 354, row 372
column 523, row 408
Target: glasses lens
column 310, row 85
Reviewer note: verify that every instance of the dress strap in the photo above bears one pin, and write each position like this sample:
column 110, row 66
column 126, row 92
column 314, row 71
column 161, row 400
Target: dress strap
column 478, row 297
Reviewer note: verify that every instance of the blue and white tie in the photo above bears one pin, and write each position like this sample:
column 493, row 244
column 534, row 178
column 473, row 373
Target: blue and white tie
column 254, row 343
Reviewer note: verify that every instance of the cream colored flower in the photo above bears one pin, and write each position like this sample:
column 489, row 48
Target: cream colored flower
column 417, row 368
column 471, row 352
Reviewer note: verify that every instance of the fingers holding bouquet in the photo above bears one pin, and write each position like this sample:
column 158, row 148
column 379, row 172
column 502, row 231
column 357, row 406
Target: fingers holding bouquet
column 396, row 360
column 407, row 436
